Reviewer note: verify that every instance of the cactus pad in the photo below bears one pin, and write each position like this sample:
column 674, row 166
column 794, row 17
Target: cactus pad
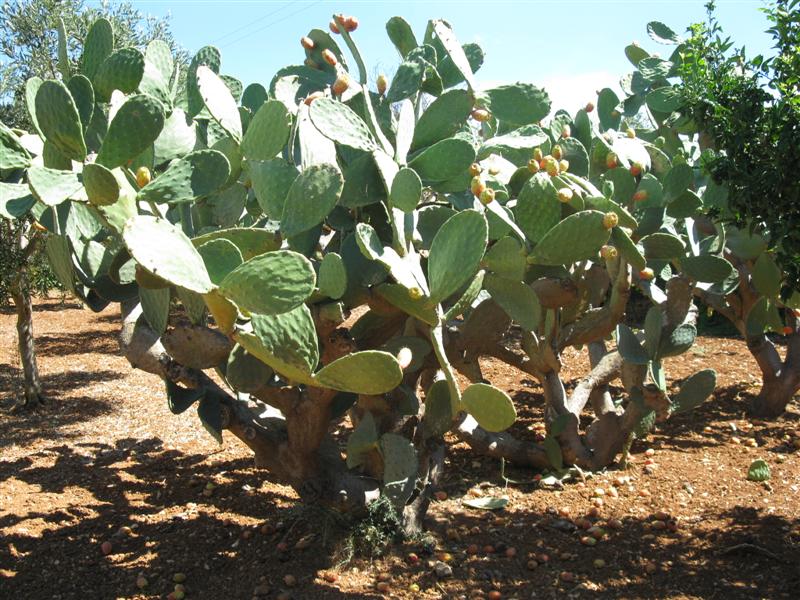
column 219, row 101
column 59, row 120
column 197, row 174
column 267, row 132
column 492, row 408
column 456, row 253
column 578, row 237
column 311, row 198
column 135, row 126
column 370, row 372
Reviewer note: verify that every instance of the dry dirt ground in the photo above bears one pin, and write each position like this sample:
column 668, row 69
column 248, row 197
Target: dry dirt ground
column 105, row 461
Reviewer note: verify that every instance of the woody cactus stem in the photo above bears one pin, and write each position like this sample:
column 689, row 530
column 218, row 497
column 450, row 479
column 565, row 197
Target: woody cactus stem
column 295, row 449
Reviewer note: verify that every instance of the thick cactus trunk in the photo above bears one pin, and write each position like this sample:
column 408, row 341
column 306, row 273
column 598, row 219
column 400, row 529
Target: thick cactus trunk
column 781, row 379
column 20, row 293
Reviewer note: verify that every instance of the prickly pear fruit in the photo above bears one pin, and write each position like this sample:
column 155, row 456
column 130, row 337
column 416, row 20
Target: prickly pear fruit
column 647, row 274
column 477, row 186
column 640, row 196
column 533, row 166
column 565, row 195
column 563, row 165
column 610, row 220
column 313, row 96
column 383, row 84
column 404, row 357
column 487, row 196
column 329, row 57
column 475, row 169
column 307, row 43
column 636, row 169
column 557, row 152
column 566, row 132
column 608, row 252
column 611, row 160
column 341, row 84
column 537, row 154
column 333, row 27
column 143, row 176
column 414, row 293
column 630, row 132
column 589, row 107
column 481, row 115
column 350, row 23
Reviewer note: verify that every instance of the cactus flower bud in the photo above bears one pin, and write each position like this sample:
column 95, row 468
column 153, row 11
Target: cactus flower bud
column 307, row 43
column 487, row 196
column 608, row 252
column 383, row 84
column 481, row 115
column 329, row 57
column 533, row 166
column 610, row 220
column 640, row 196
column 143, row 176
column 557, row 153
column 414, row 293
column 475, row 169
column 647, row 274
column 537, row 154
column 341, row 84
column 563, row 165
column 611, row 160
column 477, row 186
column 404, row 357
column 565, row 195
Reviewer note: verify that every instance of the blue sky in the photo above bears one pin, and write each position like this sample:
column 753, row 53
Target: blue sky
column 572, row 47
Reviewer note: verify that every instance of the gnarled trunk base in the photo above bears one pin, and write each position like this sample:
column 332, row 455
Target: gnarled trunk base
column 32, row 392
column 774, row 397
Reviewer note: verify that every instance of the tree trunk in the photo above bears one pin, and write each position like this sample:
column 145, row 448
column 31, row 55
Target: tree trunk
column 775, row 395
column 20, row 293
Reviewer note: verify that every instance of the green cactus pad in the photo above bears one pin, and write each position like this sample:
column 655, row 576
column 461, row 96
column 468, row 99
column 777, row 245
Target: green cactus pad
column 404, row 271
column 516, row 146
column 311, row 198
column 180, row 399
column 219, row 101
column 398, row 295
column 406, row 190
column 98, row 46
column 251, row 242
column 31, row 88
column 59, row 256
column 516, row 104
column 577, row 156
column 272, row 283
column 121, row 71
column 443, row 160
column 608, row 109
column 245, row 373
column 363, row 184
column 101, row 185
column 706, row 268
column 763, row 317
column 15, row 200
column 442, row 119
column 399, row 468
column 662, row 246
column 506, row 258
column 629, row 346
column 578, row 237
column 338, row 122
column 163, row 250
column 268, row 132
column 538, row 209
column 677, row 181
column 448, row 72
column 518, row 300
column 401, row 35
column 209, row 411
column 469, row 296
column 271, row 181
column 59, row 119
column 653, row 324
column 253, row 96
column 221, row 257
column 454, row 50
column 177, row 138
column 767, row 276
column 362, row 442
column 12, row 154
column 408, row 77
column 208, row 56
column 744, row 244
column 223, row 311
column 133, row 129
column 492, row 408
column 678, row 341
column 155, row 306
column 83, row 95
column 438, row 410
column 694, row 391
column 194, row 176
column 419, row 347
column 332, row 279
column 627, row 249
column 286, row 342
column 456, row 253
column 370, row 372
column 688, row 204
column 52, row 186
